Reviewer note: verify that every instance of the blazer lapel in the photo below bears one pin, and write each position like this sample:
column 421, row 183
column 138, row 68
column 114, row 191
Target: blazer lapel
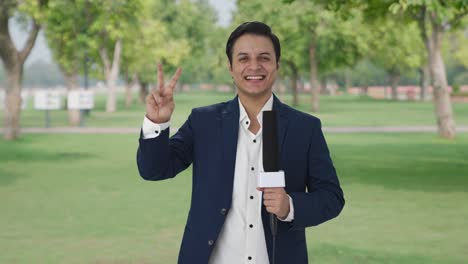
column 230, row 130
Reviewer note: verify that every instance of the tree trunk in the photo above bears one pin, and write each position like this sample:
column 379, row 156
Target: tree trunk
column 11, row 118
column 348, row 81
column 13, row 61
column 129, row 90
column 315, row 86
column 442, row 103
column 71, row 81
column 111, row 72
column 424, row 81
column 323, row 86
column 365, row 90
column 143, row 91
column 333, row 87
column 394, row 81
column 294, row 79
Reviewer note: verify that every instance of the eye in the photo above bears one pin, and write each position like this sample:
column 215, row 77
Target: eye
column 243, row 59
column 266, row 59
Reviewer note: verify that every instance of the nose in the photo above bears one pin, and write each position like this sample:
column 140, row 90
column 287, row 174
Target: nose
column 254, row 65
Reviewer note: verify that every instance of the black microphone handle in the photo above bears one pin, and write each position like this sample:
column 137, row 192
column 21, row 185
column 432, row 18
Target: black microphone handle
column 271, row 163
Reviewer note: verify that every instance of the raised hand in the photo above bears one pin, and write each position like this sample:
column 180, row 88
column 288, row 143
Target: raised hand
column 160, row 102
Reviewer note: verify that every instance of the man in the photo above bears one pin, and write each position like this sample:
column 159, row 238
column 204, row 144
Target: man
column 228, row 217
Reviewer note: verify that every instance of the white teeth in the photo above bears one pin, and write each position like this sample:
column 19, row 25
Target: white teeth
column 254, row 77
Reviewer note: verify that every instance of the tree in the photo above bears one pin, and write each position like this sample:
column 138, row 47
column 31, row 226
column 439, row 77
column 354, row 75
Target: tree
column 13, row 59
column 396, row 48
column 66, row 32
column 109, row 24
column 195, row 21
column 311, row 32
column 155, row 44
column 434, row 18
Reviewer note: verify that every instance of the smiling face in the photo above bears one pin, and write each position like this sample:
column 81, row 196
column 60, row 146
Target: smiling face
column 253, row 66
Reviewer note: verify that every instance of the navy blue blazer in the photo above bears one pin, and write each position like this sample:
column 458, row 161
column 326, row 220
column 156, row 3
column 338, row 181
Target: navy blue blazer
column 208, row 140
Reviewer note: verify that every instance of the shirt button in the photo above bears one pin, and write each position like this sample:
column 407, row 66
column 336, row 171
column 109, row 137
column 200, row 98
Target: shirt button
column 250, row 225
column 246, row 122
column 157, row 132
column 223, row 211
column 252, row 168
column 251, row 197
column 254, row 141
column 250, row 258
column 210, row 242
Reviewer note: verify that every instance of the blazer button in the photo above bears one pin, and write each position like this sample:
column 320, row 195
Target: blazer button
column 223, row 211
column 210, row 242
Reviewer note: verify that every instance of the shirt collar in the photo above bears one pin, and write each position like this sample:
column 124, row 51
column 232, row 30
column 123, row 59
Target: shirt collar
column 267, row 107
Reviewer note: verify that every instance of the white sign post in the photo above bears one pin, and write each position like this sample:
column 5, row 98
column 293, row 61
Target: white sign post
column 81, row 100
column 47, row 100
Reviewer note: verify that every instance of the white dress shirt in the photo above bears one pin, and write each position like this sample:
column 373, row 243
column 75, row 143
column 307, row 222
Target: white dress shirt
column 242, row 238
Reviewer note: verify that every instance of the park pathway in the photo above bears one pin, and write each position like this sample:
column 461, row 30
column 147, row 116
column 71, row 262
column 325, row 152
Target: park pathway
column 133, row 130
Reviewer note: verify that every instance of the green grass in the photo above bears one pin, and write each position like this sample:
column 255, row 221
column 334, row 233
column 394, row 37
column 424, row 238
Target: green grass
column 79, row 199
column 335, row 111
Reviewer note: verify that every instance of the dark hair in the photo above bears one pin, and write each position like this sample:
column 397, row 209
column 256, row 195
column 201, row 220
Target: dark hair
column 255, row 28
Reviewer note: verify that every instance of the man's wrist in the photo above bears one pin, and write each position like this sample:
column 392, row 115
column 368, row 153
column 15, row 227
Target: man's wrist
column 156, row 121
column 290, row 215
column 151, row 129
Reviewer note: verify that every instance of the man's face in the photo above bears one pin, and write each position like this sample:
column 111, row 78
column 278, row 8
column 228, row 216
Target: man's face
column 254, row 65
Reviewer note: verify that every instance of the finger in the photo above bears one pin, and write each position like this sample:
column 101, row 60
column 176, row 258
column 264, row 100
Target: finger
column 160, row 77
column 175, row 78
column 260, row 189
column 271, row 209
column 157, row 98
column 150, row 99
column 272, row 190
column 270, row 203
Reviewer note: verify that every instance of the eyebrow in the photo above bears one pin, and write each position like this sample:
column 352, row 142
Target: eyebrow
column 246, row 54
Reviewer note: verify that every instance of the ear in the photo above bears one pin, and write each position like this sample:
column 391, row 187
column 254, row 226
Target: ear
column 229, row 66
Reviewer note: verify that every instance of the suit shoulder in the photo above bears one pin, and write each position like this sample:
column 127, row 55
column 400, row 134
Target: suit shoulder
column 209, row 109
column 301, row 116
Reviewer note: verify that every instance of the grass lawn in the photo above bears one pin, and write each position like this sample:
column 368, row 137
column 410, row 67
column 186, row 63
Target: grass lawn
column 335, row 111
column 79, row 199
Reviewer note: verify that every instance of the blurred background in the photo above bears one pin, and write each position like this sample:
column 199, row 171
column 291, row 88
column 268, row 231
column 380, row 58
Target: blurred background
column 389, row 80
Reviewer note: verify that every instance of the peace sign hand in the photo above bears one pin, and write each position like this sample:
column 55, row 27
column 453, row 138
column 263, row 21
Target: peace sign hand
column 160, row 102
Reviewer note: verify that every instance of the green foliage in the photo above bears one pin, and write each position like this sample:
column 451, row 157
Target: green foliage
column 195, row 22
column 150, row 42
column 395, row 46
column 443, row 13
column 67, row 33
column 339, row 42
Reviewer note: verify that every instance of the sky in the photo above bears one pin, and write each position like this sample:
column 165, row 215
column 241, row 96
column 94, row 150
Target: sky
column 42, row 52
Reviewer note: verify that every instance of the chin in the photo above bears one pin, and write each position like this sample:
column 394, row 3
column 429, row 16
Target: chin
column 256, row 92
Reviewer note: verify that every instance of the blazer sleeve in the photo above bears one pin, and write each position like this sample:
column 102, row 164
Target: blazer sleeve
column 324, row 198
column 163, row 157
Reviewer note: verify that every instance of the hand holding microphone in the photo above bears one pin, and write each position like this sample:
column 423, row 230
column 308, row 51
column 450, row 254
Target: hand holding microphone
column 271, row 182
column 276, row 201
